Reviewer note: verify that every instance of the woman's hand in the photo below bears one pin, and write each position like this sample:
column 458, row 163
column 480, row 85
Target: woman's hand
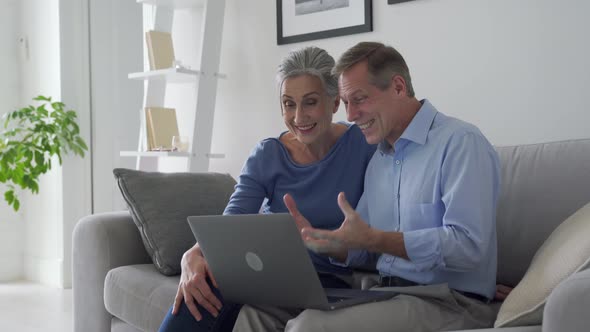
column 193, row 285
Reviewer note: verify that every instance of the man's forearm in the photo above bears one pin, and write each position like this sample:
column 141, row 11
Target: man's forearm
column 391, row 243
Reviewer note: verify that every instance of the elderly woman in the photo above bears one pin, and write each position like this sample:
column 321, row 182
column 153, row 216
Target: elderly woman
column 311, row 162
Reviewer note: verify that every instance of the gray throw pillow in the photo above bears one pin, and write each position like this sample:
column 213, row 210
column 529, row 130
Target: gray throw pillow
column 160, row 203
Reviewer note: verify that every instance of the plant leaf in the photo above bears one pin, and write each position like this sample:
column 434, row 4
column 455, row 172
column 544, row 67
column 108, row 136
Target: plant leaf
column 33, row 135
column 9, row 196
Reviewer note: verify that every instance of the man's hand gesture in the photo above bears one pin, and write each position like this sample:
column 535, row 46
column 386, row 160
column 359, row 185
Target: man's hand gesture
column 354, row 233
column 300, row 221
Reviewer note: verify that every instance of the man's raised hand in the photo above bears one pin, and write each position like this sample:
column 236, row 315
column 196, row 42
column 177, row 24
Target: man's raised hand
column 300, row 221
column 354, row 233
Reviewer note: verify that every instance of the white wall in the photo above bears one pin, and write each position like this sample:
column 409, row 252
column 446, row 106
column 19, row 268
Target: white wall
column 516, row 69
column 11, row 223
column 40, row 72
column 116, row 50
column 75, row 85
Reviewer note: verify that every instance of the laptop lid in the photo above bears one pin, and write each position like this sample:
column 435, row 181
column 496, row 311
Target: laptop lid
column 261, row 259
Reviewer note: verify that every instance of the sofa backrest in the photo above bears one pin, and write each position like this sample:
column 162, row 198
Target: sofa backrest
column 542, row 185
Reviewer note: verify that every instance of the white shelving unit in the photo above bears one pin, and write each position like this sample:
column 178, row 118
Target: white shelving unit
column 154, row 154
column 170, row 75
column 204, row 79
column 177, row 4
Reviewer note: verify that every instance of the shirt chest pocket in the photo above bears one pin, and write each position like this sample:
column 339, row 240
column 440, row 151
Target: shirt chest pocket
column 421, row 216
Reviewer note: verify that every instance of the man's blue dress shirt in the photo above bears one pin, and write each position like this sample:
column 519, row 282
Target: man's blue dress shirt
column 439, row 185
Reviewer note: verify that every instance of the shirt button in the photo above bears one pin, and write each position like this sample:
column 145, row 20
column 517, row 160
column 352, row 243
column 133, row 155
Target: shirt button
column 397, row 162
column 388, row 259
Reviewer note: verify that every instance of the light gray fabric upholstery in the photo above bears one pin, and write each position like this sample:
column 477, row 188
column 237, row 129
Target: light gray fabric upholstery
column 100, row 243
column 139, row 295
column 160, row 203
column 567, row 308
column 118, row 325
column 509, row 329
column 542, row 185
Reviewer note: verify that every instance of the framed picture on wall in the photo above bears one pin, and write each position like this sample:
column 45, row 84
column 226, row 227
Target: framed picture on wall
column 302, row 20
column 391, row 2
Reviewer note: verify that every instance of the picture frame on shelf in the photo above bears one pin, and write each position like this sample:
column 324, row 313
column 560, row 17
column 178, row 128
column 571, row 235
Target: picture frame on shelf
column 304, row 20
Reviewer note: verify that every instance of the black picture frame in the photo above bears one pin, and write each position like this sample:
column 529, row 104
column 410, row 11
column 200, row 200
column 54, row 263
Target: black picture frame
column 365, row 26
column 392, row 2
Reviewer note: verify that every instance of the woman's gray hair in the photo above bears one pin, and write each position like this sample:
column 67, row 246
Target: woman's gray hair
column 310, row 60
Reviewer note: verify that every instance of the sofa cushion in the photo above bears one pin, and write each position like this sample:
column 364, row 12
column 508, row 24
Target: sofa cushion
column 139, row 295
column 567, row 306
column 566, row 251
column 118, row 325
column 509, row 329
column 541, row 185
column 160, row 203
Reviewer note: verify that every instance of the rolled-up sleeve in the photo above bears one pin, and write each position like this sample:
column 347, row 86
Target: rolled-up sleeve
column 469, row 186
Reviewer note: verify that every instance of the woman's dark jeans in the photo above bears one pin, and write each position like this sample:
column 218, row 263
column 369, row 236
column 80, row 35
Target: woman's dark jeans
column 184, row 320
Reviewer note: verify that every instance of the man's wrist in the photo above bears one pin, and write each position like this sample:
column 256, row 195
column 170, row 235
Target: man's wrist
column 391, row 243
column 341, row 256
column 374, row 240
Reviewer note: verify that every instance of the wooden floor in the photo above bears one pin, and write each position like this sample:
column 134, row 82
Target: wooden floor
column 30, row 307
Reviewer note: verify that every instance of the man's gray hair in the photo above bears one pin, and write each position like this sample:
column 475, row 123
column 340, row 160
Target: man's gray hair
column 311, row 61
column 383, row 61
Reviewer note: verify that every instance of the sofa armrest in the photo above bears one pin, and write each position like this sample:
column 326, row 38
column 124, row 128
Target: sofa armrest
column 101, row 242
column 567, row 306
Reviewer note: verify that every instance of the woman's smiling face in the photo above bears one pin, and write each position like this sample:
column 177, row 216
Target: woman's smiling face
column 307, row 109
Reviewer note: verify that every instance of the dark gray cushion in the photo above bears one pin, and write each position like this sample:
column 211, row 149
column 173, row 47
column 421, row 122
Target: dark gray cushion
column 159, row 204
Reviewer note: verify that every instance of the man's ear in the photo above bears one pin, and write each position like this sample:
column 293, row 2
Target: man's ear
column 398, row 83
column 336, row 104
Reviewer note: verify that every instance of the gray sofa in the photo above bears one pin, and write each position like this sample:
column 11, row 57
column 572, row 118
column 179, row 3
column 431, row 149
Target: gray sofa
column 116, row 287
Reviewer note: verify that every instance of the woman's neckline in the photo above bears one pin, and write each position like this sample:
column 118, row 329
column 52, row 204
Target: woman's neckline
column 327, row 156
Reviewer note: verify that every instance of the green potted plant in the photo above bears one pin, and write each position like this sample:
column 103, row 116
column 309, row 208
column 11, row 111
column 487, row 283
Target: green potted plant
column 31, row 137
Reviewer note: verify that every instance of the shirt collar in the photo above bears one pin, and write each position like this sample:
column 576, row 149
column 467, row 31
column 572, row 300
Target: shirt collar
column 417, row 130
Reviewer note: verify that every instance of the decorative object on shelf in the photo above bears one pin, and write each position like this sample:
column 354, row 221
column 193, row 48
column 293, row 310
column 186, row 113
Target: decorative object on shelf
column 161, row 127
column 180, row 143
column 391, row 2
column 160, row 49
column 32, row 136
column 302, row 20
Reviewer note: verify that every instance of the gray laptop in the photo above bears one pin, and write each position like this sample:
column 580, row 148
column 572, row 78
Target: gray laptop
column 261, row 259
